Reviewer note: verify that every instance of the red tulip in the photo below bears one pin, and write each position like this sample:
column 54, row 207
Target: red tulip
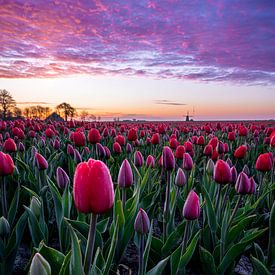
column 208, row 150
column 120, row 139
column 155, row 139
column 264, row 163
column 240, row 152
column 222, row 173
column 180, row 151
column 173, row 143
column 49, row 133
column 132, row 134
column 6, row 164
column 231, row 136
column 93, row 189
column 125, row 175
column 117, row 148
column 41, row 162
column 191, row 208
column 9, row 145
column 78, row 138
column 94, row 136
column 188, row 146
column 201, row 141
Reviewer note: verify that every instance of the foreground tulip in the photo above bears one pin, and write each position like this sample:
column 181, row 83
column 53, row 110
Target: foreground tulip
column 93, row 191
column 93, row 187
column 141, row 226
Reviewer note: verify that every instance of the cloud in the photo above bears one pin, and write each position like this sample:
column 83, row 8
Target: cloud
column 209, row 41
column 168, row 102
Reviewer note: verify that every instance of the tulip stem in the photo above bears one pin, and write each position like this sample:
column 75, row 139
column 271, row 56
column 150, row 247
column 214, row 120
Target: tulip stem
column 184, row 243
column 234, row 211
column 166, row 207
column 218, row 200
column 4, row 198
column 141, row 251
column 123, row 195
column 90, row 244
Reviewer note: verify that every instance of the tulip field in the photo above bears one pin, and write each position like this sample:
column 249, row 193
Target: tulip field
column 137, row 197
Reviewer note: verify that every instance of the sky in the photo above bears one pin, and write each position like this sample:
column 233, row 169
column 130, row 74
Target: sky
column 142, row 59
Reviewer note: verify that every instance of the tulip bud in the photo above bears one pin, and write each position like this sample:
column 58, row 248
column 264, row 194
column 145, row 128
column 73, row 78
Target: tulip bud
column 168, row 158
column 234, row 174
column 93, row 189
column 107, row 152
column 246, row 169
column 77, row 156
column 208, row 150
column 142, row 223
column 100, row 151
column 4, row 227
column 252, row 189
column 242, row 185
column 129, row 148
column 210, row 166
column 125, row 175
column 21, row 147
column 70, row 150
column 222, row 173
column 6, row 164
column 229, row 162
column 39, row 265
column 180, row 179
column 191, row 208
column 138, row 159
column 187, row 162
column 35, row 206
column 41, row 162
column 62, row 178
column 150, row 161
column 180, row 151
column 240, row 152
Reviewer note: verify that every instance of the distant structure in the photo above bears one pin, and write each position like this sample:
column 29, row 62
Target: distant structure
column 54, row 117
column 188, row 117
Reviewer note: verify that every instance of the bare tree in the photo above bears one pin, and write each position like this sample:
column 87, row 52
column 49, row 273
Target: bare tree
column 27, row 112
column 66, row 110
column 6, row 103
column 84, row 114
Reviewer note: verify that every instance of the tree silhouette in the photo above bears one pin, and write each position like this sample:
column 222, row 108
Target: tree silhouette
column 6, row 103
column 66, row 110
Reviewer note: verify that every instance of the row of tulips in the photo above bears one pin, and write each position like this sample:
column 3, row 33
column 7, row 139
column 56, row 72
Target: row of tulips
column 205, row 191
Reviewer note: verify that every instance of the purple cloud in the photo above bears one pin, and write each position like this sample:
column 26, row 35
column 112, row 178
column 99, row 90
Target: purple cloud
column 210, row 40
